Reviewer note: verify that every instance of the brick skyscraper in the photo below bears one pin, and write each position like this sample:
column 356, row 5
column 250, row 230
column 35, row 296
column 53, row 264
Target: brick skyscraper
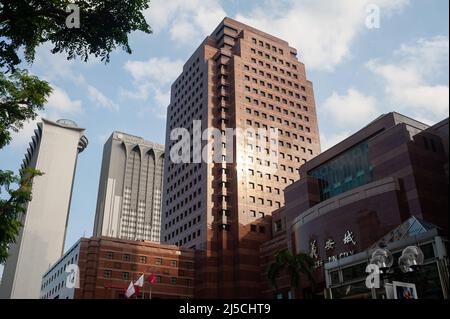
column 239, row 77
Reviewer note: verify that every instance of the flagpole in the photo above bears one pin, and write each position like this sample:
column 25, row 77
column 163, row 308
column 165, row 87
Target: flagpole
column 143, row 288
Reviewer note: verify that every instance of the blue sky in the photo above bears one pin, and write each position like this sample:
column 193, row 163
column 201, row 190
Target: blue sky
column 358, row 73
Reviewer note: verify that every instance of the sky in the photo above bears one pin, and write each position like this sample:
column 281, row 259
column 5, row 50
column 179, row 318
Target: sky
column 358, row 73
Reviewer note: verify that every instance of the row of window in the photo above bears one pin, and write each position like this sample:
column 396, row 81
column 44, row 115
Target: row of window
column 180, row 218
column 269, row 75
column 272, row 117
column 274, row 87
column 60, row 271
column 255, row 91
column 273, row 58
column 274, row 154
column 257, row 102
column 267, row 46
column 54, row 290
column 267, row 189
column 193, row 195
column 268, row 176
column 274, row 68
column 180, row 169
column 262, row 201
column 142, row 259
column 185, row 240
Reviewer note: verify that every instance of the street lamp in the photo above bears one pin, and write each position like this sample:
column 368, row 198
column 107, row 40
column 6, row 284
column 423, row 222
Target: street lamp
column 382, row 258
column 409, row 262
column 411, row 259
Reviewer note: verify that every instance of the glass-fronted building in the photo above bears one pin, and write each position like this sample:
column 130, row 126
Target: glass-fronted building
column 347, row 171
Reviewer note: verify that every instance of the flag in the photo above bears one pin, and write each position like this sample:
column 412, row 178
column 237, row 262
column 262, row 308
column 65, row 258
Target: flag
column 140, row 281
column 152, row 279
column 130, row 290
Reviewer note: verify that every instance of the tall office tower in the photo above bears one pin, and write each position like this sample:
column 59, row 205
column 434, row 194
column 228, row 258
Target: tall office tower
column 54, row 151
column 129, row 194
column 243, row 78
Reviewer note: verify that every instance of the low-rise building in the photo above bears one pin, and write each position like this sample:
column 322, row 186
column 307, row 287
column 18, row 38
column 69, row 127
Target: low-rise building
column 106, row 266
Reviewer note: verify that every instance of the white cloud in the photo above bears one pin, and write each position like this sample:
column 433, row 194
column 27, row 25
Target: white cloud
column 350, row 111
column 141, row 91
column 56, row 67
column 328, row 141
column 187, row 21
column 98, row 98
column 162, row 70
column 162, row 100
column 411, row 78
column 23, row 137
column 60, row 102
column 322, row 30
column 58, row 105
column 151, row 80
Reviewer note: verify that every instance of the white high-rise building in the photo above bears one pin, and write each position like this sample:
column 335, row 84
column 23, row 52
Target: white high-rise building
column 53, row 150
column 129, row 194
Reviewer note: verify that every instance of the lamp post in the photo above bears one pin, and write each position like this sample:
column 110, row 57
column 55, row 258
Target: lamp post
column 409, row 262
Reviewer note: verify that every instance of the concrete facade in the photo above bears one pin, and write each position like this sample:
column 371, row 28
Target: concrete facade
column 54, row 150
column 129, row 194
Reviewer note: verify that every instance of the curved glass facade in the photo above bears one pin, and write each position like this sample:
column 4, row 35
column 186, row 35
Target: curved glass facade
column 349, row 170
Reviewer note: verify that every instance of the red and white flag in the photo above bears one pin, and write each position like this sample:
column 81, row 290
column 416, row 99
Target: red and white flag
column 152, row 278
column 140, row 281
column 130, row 290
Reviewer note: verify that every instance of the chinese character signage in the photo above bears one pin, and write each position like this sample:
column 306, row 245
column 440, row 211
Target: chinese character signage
column 348, row 240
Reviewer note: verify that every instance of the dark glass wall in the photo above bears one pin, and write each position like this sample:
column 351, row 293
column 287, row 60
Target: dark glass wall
column 345, row 172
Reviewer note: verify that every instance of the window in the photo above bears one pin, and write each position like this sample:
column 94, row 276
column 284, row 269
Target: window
column 126, row 257
column 278, row 225
column 173, row 280
column 109, row 255
column 173, row 263
column 142, row 259
column 158, row 261
column 125, row 275
column 107, row 274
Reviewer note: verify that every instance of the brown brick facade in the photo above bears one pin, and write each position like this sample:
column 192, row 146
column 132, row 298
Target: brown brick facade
column 239, row 78
column 108, row 265
column 409, row 166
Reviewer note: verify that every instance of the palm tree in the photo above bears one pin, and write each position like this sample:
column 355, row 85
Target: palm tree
column 294, row 265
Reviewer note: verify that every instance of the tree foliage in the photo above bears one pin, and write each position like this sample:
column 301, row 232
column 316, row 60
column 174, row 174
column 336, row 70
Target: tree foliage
column 292, row 265
column 11, row 209
column 24, row 26
column 104, row 26
column 21, row 96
